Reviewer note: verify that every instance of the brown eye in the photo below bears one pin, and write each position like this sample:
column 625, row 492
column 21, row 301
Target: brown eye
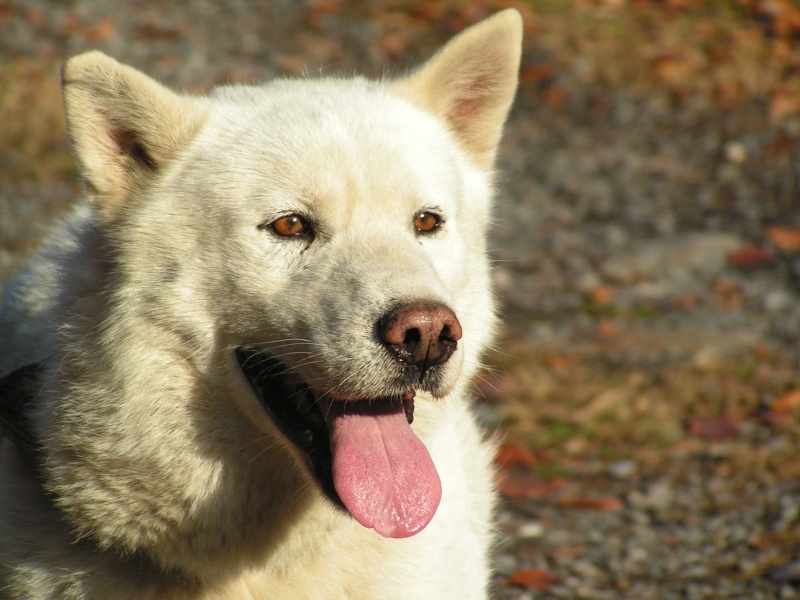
column 290, row 226
column 426, row 222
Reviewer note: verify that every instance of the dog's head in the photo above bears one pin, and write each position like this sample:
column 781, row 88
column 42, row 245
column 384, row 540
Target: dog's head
column 317, row 247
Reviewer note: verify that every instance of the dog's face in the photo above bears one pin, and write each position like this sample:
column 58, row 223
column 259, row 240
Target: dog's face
column 317, row 246
column 351, row 270
column 342, row 203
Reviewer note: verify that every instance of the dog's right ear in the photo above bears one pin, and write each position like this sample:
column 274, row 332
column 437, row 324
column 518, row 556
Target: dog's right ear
column 124, row 127
column 470, row 83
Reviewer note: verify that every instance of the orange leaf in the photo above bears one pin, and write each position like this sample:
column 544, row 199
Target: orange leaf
column 685, row 302
column 529, row 487
column 782, row 146
column 749, row 257
column 715, row 427
column 533, row 579
column 559, row 362
column 602, row 295
column 776, row 418
column 607, row 328
column 725, row 287
column 511, row 454
column 672, row 68
column 537, row 72
column 555, row 96
column 35, row 16
column 326, row 6
column 69, row 25
column 783, row 103
column 429, row 11
column 102, row 31
column 600, row 503
column 393, row 44
column 569, row 552
column 785, row 238
column 788, row 402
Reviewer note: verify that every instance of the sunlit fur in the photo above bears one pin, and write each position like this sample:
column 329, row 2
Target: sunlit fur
column 161, row 474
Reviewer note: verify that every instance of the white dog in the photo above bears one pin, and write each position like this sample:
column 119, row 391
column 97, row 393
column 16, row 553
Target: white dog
column 241, row 369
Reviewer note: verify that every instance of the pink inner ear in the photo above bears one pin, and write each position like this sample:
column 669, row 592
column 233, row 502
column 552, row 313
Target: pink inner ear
column 472, row 95
column 129, row 145
column 464, row 108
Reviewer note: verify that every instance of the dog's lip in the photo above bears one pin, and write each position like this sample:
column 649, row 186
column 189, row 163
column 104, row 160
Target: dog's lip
column 302, row 420
column 299, row 421
column 327, row 400
column 361, row 451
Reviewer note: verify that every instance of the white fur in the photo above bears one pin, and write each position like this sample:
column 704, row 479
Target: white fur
column 164, row 476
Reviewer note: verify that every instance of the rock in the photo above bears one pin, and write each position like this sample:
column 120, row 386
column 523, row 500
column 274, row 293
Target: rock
column 677, row 258
column 790, row 572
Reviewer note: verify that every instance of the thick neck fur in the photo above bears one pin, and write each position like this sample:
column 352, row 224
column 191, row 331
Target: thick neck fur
column 201, row 499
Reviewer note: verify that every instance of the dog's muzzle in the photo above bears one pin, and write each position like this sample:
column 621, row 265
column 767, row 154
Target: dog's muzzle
column 362, row 450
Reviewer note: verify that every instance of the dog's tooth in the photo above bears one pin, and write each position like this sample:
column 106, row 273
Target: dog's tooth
column 408, row 407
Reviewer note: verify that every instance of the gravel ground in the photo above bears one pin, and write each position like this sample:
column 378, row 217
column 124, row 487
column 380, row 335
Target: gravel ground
column 646, row 381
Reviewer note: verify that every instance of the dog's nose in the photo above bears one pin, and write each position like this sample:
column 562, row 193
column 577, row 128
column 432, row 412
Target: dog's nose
column 422, row 334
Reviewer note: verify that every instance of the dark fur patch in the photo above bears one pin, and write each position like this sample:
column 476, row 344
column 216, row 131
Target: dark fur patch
column 129, row 144
column 17, row 394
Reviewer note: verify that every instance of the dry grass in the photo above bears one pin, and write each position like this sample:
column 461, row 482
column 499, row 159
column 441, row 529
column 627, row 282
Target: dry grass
column 575, row 406
column 33, row 142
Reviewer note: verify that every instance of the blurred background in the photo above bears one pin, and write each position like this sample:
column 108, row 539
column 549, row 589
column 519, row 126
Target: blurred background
column 646, row 247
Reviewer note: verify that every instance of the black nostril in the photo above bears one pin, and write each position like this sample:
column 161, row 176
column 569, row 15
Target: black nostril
column 412, row 336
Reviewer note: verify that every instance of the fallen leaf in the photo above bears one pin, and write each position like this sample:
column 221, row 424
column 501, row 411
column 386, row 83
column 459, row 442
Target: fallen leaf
column 680, row 5
column 559, row 362
column 608, row 503
column 35, row 16
column 788, row 402
column 750, row 256
column 673, row 68
column 685, row 302
column 532, row 579
column 512, row 454
column 429, row 11
column 718, row 428
column 102, row 31
column 775, row 418
column 537, row 72
column 607, row 328
column 497, row 386
column 529, row 487
column 570, row 552
column 785, row 19
column 783, row 103
column 555, row 96
column 729, row 94
column 393, row 44
column 290, row 63
column 68, row 25
column 725, row 287
column 602, row 295
column 785, row 238
column 325, row 6
column 781, row 146
column 319, row 49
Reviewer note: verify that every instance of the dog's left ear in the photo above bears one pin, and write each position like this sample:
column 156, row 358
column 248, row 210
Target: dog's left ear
column 470, row 83
column 124, row 127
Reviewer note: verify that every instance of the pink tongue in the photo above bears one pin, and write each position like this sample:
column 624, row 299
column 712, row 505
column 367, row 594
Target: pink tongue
column 382, row 471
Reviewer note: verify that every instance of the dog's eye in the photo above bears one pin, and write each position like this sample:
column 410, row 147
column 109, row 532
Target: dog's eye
column 290, row 226
column 426, row 222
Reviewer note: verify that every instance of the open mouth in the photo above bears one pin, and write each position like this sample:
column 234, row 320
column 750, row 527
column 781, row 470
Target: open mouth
column 362, row 453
